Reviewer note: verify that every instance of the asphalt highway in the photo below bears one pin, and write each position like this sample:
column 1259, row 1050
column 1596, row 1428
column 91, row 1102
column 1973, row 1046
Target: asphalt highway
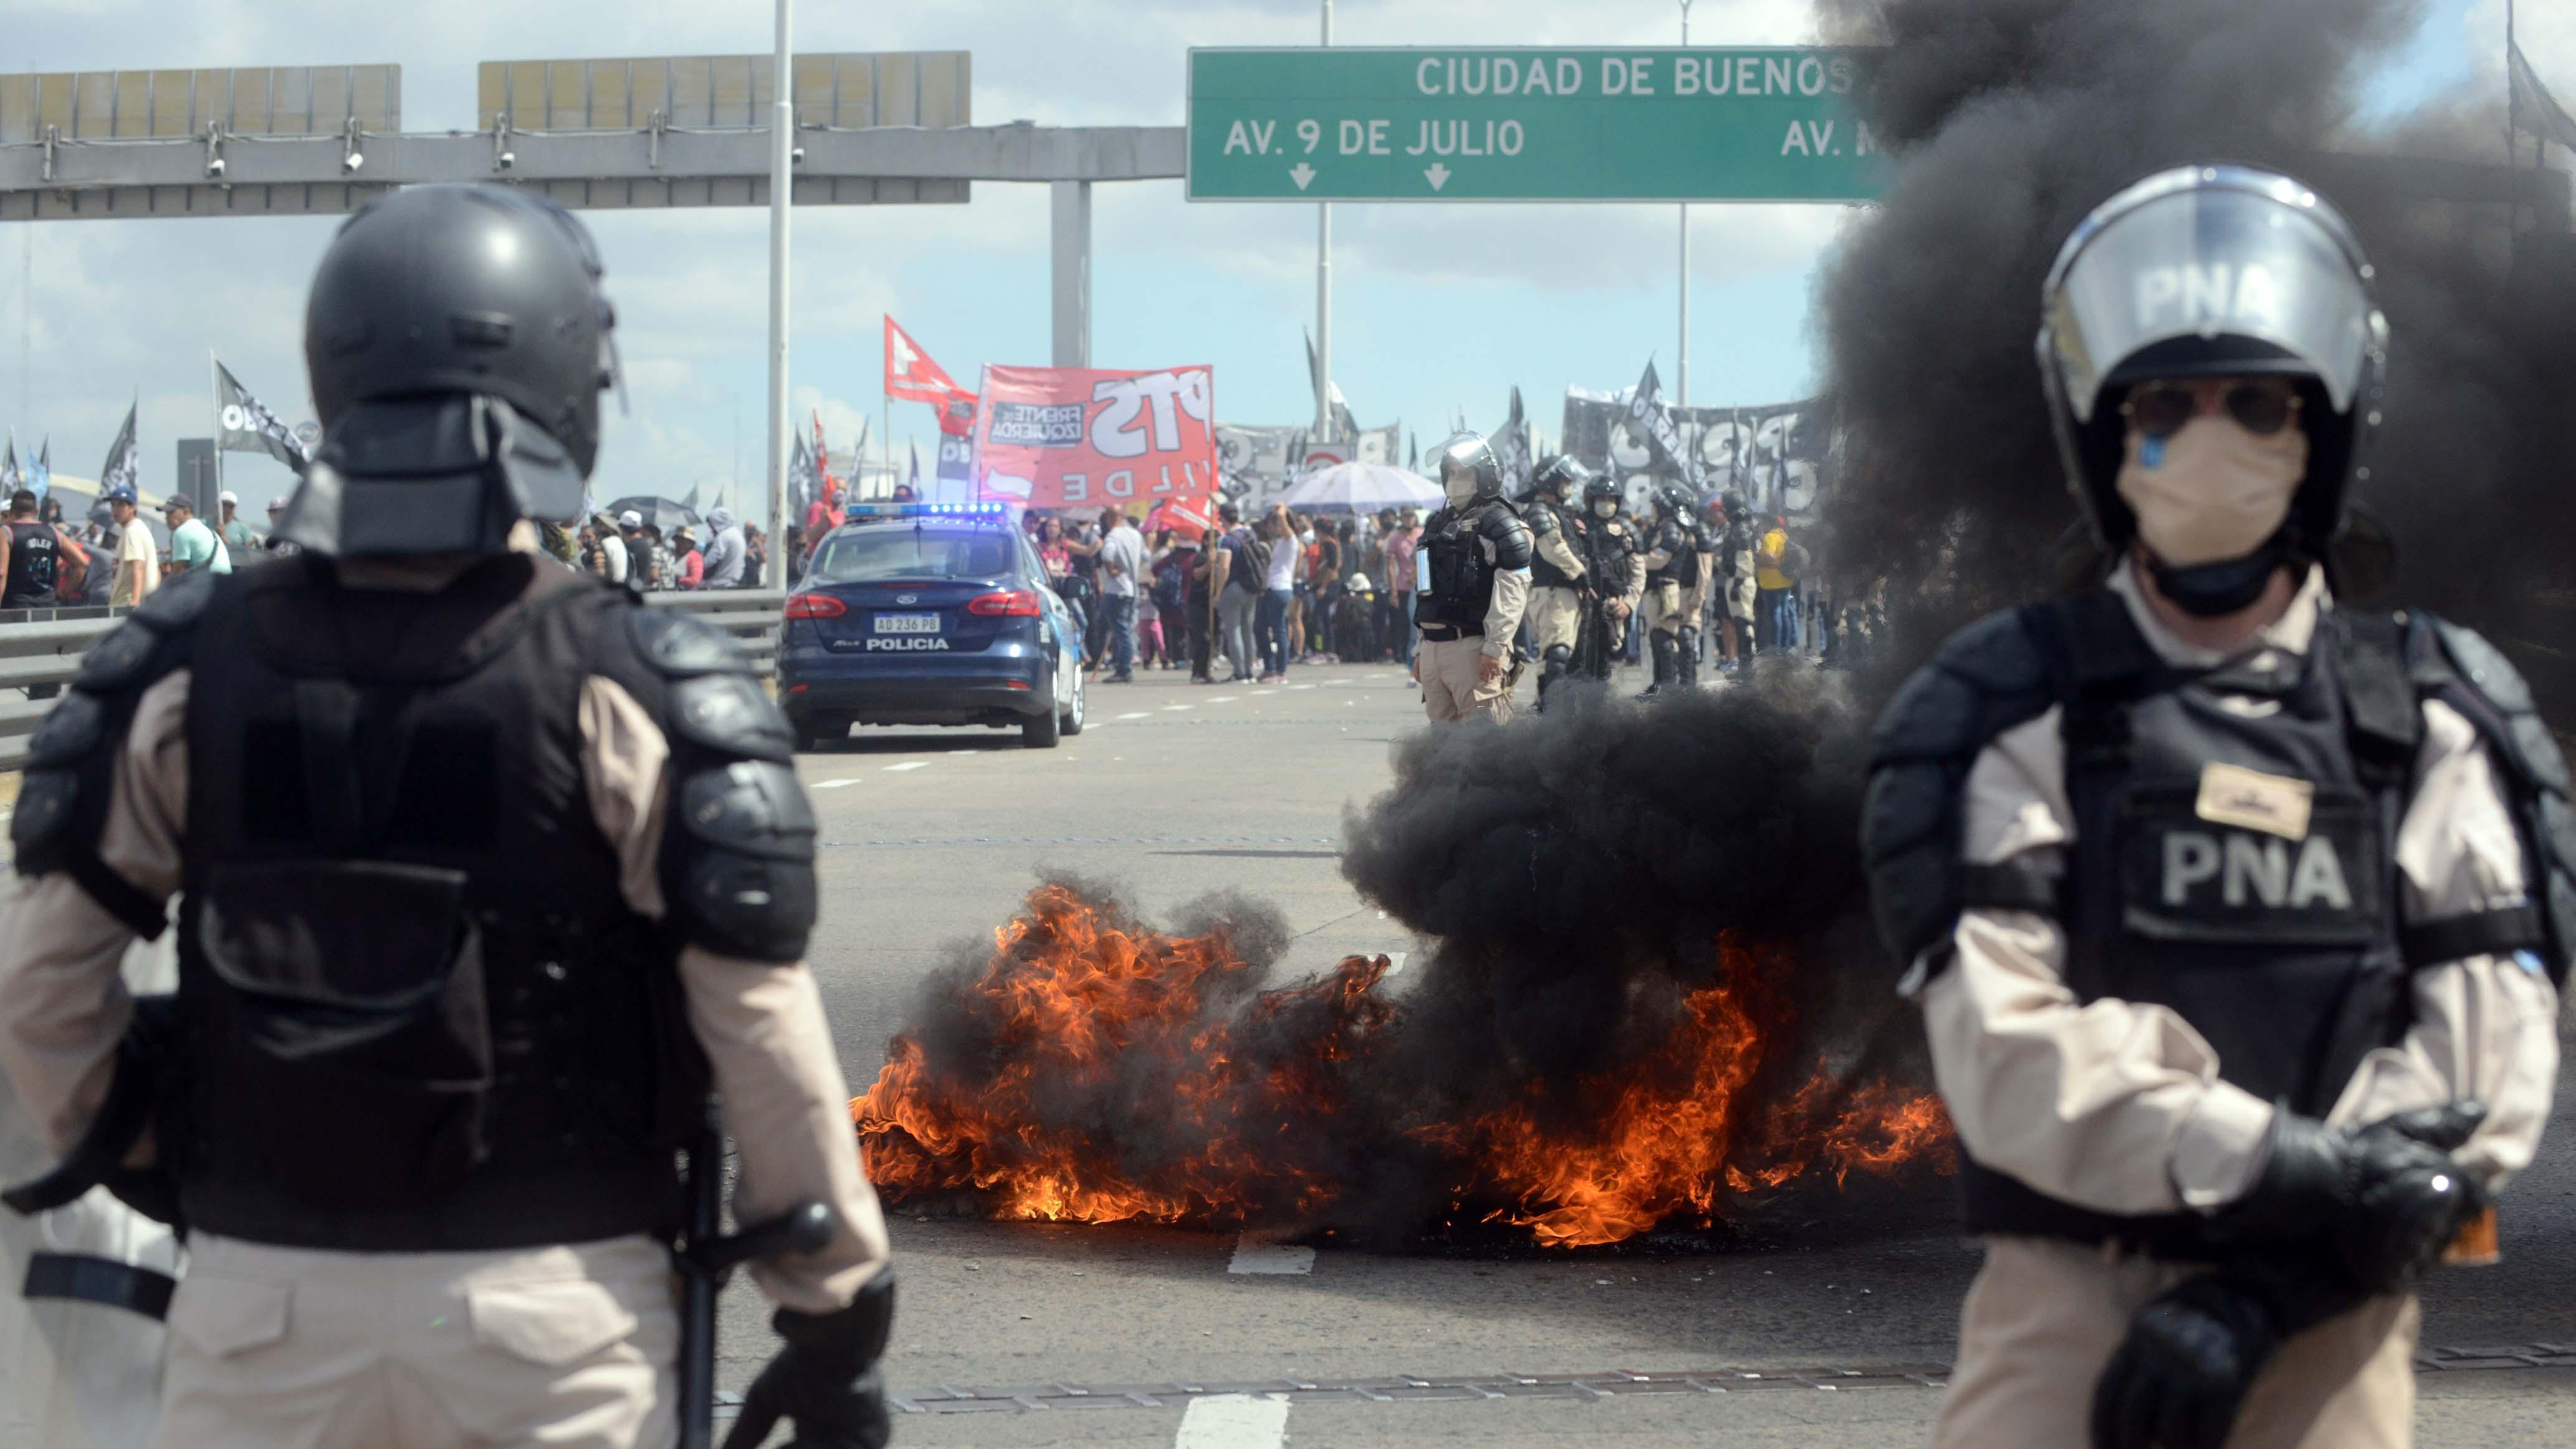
column 1020, row 1334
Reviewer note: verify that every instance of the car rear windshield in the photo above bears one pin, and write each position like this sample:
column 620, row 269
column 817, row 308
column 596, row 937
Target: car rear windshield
column 920, row 552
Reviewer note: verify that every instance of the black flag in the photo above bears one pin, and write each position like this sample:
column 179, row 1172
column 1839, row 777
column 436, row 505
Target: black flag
column 1512, row 449
column 120, row 470
column 1647, row 411
column 243, row 424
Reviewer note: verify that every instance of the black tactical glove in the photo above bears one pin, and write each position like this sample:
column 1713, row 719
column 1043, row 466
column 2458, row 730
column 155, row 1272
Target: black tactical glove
column 825, row 1381
column 2382, row 1202
column 2178, row 1379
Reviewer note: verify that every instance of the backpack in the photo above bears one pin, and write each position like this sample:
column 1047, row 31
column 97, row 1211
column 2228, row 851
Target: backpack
column 1251, row 565
column 1171, row 590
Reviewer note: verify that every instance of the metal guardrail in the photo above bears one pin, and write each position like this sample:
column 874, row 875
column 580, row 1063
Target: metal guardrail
column 40, row 649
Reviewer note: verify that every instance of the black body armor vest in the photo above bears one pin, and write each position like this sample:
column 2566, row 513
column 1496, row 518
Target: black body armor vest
column 2235, row 864
column 418, row 1015
column 1609, row 548
column 1462, row 575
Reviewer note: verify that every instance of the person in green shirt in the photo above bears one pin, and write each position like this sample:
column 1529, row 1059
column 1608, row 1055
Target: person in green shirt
column 239, row 541
column 192, row 544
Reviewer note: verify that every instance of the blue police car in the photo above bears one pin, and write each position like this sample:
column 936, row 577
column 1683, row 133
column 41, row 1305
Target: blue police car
column 929, row 614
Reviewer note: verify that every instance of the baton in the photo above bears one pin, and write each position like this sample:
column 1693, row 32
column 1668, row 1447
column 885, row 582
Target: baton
column 707, row 1257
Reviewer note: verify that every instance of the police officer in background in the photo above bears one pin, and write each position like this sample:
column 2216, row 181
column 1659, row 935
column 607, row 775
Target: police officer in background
column 1472, row 572
column 1735, row 559
column 2232, row 917
column 487, row 876
column 1615, row 563
column 1674, row 571
column 1560, row 582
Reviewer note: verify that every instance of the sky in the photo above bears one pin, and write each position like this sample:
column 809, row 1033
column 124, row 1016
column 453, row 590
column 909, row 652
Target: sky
column 1438, row 310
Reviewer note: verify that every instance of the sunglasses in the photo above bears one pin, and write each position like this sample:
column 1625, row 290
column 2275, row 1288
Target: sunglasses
column 2160, row 410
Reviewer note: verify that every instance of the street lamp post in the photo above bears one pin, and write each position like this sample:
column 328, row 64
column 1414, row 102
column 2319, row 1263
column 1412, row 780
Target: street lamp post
column 1685, row 352
column 782, row 185
column 1324, row 295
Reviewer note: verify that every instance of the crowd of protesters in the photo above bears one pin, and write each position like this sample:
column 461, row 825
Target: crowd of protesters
column 628, row 551
column 112, row 557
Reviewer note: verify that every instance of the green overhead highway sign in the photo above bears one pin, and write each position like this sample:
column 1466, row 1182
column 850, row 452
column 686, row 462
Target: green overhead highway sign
column 1747, row 123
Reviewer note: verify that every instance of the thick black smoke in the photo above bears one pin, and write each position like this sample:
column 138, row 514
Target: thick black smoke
column 2011, row 120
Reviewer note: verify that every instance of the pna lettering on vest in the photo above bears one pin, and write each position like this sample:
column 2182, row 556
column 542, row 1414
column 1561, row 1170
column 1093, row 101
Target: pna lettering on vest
column 2243, row 869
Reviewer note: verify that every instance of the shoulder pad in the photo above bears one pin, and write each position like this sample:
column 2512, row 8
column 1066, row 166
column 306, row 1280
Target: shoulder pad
column 1511, row 539
column 2484, row 667
column 679, row 645
column 732, row 714
column 118, row 659
column 1542, row 521
column 2492, row 694
column 1988, row 678
column 179, row 603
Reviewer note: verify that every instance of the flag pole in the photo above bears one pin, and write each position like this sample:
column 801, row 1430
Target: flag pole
column 782, row 194
column 215, row 390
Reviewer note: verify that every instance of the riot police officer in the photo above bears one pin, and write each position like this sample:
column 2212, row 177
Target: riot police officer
column 1736, row 560
column 487, row 877
column 2233, row 915
column 1473, row 585
column 1674, row 572
column 1615, row 562
column 1560, row 538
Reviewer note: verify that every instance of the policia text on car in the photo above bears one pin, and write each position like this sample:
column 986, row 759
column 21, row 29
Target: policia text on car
column 487, row 878
column 2235, row 914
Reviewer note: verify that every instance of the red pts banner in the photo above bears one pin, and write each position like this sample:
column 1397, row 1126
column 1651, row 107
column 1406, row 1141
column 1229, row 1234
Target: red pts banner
column 1066, row 437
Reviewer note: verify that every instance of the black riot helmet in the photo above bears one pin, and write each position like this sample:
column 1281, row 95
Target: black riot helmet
column 1673, row 501
column 1467, row 456
column 1563, row 477
column 1600, row 486
column 458, row 343
column 2214, row 271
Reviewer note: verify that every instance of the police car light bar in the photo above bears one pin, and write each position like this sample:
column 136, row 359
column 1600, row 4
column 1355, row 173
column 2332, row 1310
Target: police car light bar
column 995, row 512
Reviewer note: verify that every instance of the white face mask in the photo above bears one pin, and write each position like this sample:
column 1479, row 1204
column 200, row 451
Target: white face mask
column 1459, row 485
column 1606, row 508
column 2212, row 491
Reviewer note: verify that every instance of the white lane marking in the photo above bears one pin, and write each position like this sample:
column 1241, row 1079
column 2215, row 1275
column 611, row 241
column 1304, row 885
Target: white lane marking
column 906, row 765
column 1257, row 1253
column 1170, row 707
column 830, row 784
column 969, row 752
column 1224, row 699
column 1138, row 714
column 1301, row 686
column 1263, row 693
column 1233, row 1421
column 1337, row 683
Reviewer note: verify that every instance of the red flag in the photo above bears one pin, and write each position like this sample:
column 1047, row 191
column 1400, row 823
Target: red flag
column 911, row 375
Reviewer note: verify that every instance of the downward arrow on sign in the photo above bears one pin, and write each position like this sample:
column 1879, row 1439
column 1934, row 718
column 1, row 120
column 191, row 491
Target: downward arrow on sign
column 1438, row 174
column 1302, row 175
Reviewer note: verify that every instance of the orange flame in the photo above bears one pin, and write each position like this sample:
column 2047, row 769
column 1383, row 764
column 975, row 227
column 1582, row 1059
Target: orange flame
column 1129, row 1074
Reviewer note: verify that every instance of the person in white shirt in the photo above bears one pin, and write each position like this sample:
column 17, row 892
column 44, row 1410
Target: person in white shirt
column 1122, row 566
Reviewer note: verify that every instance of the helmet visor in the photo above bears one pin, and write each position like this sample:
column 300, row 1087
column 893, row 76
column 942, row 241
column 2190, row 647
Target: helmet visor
column 2216, row 256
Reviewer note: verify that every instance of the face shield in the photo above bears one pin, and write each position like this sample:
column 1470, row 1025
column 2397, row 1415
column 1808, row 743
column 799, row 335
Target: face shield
column 1466, row 469
column 2249, row 271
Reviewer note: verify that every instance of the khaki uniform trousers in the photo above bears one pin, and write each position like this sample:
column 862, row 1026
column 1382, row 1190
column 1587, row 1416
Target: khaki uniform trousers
column 1739, row 599
column 1669, row 607
column 569, row 1347
column 1452, row 687
column 1556, row 618
column 2044, row 1316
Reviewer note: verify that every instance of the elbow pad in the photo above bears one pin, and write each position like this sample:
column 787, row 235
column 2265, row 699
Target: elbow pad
column 737, row 858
